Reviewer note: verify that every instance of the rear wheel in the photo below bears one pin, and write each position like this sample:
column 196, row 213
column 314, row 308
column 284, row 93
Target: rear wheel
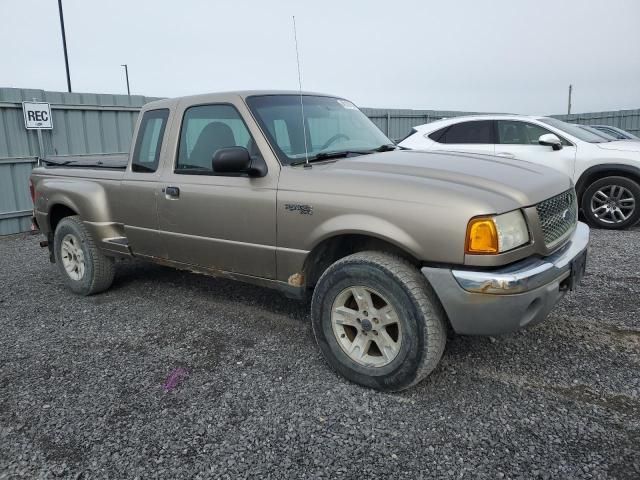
column 377, row 321
column 612, row 203
column 84, row 268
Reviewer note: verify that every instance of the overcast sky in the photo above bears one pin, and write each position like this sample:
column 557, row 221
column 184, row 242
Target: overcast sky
column 472, row 55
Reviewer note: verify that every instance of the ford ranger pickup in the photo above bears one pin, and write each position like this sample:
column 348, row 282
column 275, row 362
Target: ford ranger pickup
column 301, row 192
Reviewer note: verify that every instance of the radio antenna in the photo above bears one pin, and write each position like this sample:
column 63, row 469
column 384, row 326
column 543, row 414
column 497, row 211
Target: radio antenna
column 304, row 127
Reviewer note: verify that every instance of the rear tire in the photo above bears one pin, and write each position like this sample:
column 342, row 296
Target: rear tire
column 84, row 268
column 378, row 322
column 612, row 203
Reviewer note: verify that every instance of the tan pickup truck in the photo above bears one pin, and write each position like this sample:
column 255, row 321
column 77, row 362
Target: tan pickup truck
column 302, row 193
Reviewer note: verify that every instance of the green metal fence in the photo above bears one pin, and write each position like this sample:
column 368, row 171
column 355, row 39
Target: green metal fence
column 628, row 120
column 89, row 123
column 83, row 123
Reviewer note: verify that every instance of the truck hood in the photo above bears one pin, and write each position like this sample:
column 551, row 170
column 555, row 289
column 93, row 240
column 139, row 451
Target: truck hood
column 621, row 146
column 438, row 178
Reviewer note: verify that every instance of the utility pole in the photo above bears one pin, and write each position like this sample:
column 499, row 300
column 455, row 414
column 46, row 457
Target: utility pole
column 126, row 73
column 569, row 108
column 64, row 45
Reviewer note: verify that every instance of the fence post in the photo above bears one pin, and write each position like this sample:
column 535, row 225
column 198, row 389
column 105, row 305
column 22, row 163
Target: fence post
column 41, row 153
column 388, row 125
column 40, row 142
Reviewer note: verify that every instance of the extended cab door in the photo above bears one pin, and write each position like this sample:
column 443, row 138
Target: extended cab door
column 519, row 139
column 214, row 220
column 137, row 202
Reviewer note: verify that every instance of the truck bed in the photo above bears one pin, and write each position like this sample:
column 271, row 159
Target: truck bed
column 116, row 161
column 96, row 167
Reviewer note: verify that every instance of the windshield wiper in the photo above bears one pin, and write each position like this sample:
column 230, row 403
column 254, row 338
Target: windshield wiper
column 388, row 147
column 329, row 155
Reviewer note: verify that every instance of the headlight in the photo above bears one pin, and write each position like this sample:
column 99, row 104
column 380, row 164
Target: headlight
column 496, row 234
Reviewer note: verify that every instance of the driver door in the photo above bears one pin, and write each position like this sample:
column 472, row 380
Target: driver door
column 222, row 221
column 519, row 140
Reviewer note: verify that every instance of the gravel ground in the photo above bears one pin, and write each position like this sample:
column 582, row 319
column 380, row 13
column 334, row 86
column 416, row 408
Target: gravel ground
column 81, row 384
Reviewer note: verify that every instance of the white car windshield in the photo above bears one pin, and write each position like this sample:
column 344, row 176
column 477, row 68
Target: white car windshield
column 574, row 130
column 332, row 127
column 595, row 131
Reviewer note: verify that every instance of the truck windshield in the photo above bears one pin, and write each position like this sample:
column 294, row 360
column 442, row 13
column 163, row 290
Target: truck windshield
column 331, row 125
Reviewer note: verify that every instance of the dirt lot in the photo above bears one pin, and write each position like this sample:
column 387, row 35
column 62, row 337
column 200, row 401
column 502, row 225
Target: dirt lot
column 81, row 384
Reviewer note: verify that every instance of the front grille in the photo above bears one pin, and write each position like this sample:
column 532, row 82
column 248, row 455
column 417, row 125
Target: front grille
column 558, row 217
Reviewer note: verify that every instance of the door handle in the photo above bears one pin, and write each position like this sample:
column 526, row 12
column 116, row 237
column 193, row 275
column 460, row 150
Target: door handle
column 505, row 155
column 172, row 192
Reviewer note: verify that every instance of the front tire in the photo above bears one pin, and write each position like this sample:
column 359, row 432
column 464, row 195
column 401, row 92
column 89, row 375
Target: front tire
column 84, row 268
column 377, row 321
column 612, row 203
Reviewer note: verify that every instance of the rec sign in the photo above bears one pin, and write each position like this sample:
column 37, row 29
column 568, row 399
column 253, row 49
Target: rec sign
column 37, row 116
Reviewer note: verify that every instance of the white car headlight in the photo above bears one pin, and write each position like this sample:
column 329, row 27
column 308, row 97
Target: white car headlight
column 496, row 234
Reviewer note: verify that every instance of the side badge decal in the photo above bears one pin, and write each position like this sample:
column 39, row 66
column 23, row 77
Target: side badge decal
column 296, row 207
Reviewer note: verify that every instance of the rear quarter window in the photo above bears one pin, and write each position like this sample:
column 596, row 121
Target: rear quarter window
column 146, row 153
column 438, row 134
column 477, row 132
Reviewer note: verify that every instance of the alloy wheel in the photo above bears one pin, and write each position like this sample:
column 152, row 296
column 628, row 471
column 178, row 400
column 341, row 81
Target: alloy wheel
column 366, row 326
column 72, row 257
column 613, row 204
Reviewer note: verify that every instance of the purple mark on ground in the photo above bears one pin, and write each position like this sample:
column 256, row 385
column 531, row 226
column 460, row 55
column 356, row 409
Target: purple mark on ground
column 175, row 377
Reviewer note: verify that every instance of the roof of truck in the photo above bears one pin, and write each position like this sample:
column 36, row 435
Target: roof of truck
column 226, row 96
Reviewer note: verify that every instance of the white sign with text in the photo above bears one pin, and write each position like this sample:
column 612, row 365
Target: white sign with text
column 37, row 116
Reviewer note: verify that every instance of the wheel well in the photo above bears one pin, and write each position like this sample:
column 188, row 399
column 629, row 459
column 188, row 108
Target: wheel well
column 57, row 213
column 333, row 249
column 589, row 177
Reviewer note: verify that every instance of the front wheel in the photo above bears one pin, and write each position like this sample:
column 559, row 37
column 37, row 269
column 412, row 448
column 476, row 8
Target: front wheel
column 377, row 321
column 612, row 203
column 84, row 268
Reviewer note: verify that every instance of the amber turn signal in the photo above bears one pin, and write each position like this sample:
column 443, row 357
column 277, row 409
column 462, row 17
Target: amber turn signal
column 482, row 236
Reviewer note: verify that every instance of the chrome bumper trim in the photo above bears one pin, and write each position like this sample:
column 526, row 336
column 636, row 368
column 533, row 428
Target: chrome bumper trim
column 528, row 274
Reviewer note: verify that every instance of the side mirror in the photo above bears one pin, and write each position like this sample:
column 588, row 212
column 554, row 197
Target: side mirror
column 550, row 140
column 238, row 160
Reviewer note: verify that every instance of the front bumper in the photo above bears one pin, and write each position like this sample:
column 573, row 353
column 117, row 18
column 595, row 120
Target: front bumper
column 492, row 302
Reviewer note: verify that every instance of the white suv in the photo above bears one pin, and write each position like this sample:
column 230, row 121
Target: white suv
column 606, row 173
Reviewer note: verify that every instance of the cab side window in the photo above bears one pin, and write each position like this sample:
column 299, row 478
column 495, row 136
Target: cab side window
column 146, row 153
column 521, row 133
column 476, row 132
column 205, row 130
